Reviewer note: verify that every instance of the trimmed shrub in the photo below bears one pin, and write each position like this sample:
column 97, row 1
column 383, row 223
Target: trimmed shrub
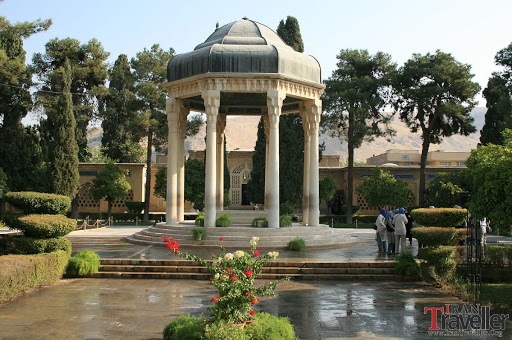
column 84, row 264
column 440, row 263
column 22, row 273
column 497, row 255
column 439, row 217
column 38, row 203
column 285, row 221
column 460, row 236
column 199, row 233
column 186, row 327
column 29, row 245
column 269, row 327
column 135, row 207
column 200, row 219
column 254, row 222
column 46, row 226
column 364, row 218
column 434, row 236
column 406, row 265
column 223, row 221
column 224, row 330
column 296, row 244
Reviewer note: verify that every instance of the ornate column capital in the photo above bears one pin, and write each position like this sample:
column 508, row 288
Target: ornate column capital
column 274, row 103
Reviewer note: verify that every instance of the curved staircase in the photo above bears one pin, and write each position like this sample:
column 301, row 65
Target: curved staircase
column 239, row 236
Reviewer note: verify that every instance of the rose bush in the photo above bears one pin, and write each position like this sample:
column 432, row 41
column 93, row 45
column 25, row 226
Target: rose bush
column 233, row 274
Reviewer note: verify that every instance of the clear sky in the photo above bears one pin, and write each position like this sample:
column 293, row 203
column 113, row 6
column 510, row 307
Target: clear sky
column 472, row 31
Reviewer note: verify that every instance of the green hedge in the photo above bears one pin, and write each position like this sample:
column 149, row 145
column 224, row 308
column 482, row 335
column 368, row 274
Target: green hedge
column 22, row 273
column 38, row 203
column 84, row 264
column 439, row 217
column 439, row 264
column 434, row 236
column 46, row 226
column 135, row 207
column 364, row 218
column 29, row 245
column 498, row 255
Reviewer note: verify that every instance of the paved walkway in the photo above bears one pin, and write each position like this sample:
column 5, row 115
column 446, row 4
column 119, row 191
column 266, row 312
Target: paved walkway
column 140, row 309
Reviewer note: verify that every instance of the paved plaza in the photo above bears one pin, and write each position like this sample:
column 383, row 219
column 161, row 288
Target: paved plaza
column 139, row 309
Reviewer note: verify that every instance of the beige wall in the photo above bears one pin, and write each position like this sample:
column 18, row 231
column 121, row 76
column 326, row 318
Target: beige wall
column 413, row 157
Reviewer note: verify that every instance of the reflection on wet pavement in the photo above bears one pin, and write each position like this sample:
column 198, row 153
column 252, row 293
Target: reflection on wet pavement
column 139, row 309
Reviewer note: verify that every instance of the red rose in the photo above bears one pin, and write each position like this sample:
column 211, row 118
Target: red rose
column 259, row 300
column 233, row 277
column 251, row 312
column 229, row 270
column 253, row 301
column 256, row 253
column 248, row 294
column 248, row 273
column 222, row 238
column 214, row 299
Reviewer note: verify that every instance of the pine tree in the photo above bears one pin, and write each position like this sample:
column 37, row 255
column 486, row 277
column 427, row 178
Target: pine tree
column 119, row 142
column 63, row 150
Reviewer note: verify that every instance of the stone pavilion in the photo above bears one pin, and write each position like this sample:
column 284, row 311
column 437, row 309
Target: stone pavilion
column 243, row 68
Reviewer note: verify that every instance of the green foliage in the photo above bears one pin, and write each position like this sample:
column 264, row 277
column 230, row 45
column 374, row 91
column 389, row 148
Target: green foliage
column 120, row 136
column 110, row 184
column 20, row 274
column 256, row 184
column 435, row 95
column 352, row 101
column 439, row 263
column 365, row 218
column 406, row 264
column 46, row 226
column 135, row 207
column 186, row 327
column 88, row 64
column 85, row 263
column 286, row 207
column 225, row 330
column 327, row 187
column 296, row 244
column 38, row 203
column 497, row 295
column 254, row 222
column 498, row 255
column 434, row 236
column 498, row 98
column 384, row 190
column 200, row 219
column 285, row 221
column 289, row 31
column 460, row 236
column 269, row 327
column 439, row 217
column 28, row 245
column 445, row 189
column 490, row 169
column 62, row 148
column 199, row 233
column 223, row 221
column 15, row 103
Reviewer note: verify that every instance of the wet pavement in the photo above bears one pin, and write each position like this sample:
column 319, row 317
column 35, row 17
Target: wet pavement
column 139, row 309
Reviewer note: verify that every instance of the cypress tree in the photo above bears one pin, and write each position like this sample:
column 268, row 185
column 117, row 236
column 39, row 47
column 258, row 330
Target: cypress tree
column 289, row 31
column 63, row 148
column 499, row 111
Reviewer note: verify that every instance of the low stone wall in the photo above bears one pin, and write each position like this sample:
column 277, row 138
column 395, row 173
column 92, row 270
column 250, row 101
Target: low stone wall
column 243, row 216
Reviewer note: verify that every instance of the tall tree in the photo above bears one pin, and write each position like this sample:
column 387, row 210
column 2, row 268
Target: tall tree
column 110, row 184
column 289, row 31
column 20, row 154
column 435, row 96
column 353, row 100
column 499, row 110
column 498, row 94
column 89, row 73
column 119, row 140
column 383, row 190
column 63, row 149
column 150, row 71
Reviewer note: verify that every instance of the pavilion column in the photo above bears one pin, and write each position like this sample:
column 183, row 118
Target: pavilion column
column 221, row 127
column 184, row 111
column 274, row 102
column 314, row 108
column 307, row 165
column 211, row 103
column 172, row 110
column 266, row 125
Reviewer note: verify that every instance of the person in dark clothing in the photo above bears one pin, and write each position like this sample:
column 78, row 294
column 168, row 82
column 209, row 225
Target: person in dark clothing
column 408, row 226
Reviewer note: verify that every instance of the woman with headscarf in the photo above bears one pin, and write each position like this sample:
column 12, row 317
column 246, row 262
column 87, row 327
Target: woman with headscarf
column 409, row 225
column 400, row 231
column 390, row 228
column 381, row 230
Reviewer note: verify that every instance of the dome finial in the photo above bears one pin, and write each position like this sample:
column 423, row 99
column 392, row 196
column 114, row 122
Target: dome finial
column 217, row 26
column 245, row 18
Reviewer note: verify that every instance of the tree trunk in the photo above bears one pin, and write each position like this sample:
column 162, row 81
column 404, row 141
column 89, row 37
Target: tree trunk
column 350, row 181
column 147, row 194
column 109, row 210
column 423, row 166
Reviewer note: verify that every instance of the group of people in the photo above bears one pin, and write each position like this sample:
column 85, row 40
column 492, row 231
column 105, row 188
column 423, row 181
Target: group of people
column 392, row 230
